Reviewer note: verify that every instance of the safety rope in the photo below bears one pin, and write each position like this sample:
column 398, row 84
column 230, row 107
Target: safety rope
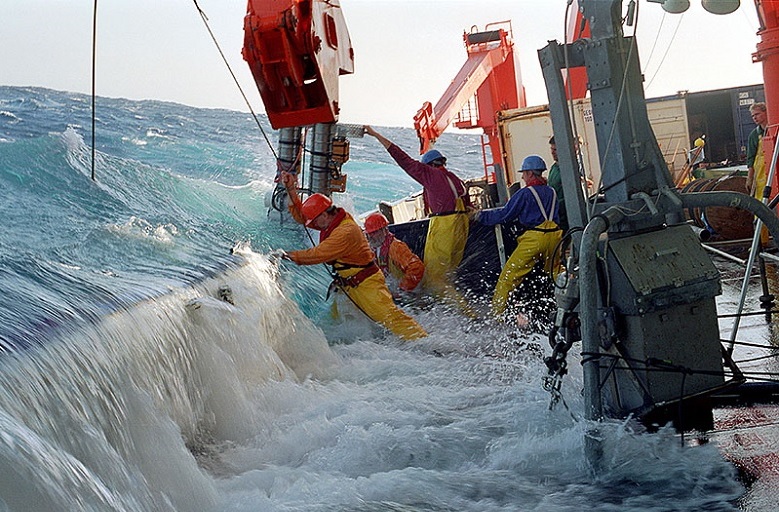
column 753, row 313
column 657, row 365
column 749, row 344
column 204, row 17
column 94, row 71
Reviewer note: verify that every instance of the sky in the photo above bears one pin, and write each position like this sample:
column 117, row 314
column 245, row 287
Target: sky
column 406, row 51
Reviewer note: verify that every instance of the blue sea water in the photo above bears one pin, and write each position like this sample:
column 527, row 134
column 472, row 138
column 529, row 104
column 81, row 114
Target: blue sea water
column 128, row 385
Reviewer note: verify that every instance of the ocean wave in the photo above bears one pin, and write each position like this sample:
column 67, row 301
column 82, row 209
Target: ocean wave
column 142, row 229
column 157, row 133
column 11, row 117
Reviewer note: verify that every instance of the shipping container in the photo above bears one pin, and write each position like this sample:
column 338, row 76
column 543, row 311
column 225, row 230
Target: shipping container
column 741, row 99
column 668, row 117
column 526, row 131
column 721, row 117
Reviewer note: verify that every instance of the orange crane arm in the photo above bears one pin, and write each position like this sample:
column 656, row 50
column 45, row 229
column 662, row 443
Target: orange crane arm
column 489, row 75
column 768, row 55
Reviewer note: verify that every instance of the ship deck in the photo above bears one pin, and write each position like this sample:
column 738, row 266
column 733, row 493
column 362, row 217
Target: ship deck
column 747, row 434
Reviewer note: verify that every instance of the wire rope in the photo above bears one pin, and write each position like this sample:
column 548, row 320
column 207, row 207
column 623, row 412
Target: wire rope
column 204, row 17
column 668, row 48
column 94, row 72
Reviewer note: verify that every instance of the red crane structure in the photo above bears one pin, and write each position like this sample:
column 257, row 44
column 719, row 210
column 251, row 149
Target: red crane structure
column 488, row 82
column 768, row 54
column 296, row 51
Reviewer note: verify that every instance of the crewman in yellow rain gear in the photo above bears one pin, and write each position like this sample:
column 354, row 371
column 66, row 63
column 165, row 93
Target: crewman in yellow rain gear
column 757, row 174
column 394, row 257
column 535, row 208
column 756, row 171
column 447, row 204
column 343, row 245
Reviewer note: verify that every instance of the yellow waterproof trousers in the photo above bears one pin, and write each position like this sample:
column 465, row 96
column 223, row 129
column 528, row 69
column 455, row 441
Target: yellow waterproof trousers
column 532, row 247
column 444, row 248
column 761, row 178
column 375, row 300
column 760, row 172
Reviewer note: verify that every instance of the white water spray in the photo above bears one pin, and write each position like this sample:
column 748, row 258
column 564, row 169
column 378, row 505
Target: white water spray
column 109, row 418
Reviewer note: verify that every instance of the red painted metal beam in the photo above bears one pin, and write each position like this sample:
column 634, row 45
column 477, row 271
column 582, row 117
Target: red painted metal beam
column 296, row 50
column 768, row 54
column 487, row 82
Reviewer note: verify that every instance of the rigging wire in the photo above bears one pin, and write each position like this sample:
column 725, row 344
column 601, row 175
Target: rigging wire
column 742, row 428
column 657, row 38
column 753, row 313
column 668, row 48
column 204, row 17
column 653, row 365
column 757, row 358
column 753, row 345
column 94, row 67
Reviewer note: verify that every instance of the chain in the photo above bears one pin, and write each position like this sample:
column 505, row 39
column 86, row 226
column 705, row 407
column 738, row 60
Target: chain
column 552, row 384
column 557, row 364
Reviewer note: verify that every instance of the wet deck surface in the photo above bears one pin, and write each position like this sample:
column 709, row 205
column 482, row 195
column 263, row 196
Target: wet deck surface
column 749, row 436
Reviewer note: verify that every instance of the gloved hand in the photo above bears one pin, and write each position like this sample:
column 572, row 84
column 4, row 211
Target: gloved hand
column 277, row 254
column 287, row 179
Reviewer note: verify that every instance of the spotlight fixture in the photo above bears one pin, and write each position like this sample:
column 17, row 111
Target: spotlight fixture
column 721, row 6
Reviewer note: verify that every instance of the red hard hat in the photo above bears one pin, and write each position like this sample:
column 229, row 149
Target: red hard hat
column 314, row 206
column 374, row 222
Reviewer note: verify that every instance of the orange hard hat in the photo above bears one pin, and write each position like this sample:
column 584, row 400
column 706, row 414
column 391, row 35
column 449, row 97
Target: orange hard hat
column 374, row 222
column 314, row 206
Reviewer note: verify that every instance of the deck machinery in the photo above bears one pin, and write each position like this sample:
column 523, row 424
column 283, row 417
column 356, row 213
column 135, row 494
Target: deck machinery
column 296, row 51
column 638, row 282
